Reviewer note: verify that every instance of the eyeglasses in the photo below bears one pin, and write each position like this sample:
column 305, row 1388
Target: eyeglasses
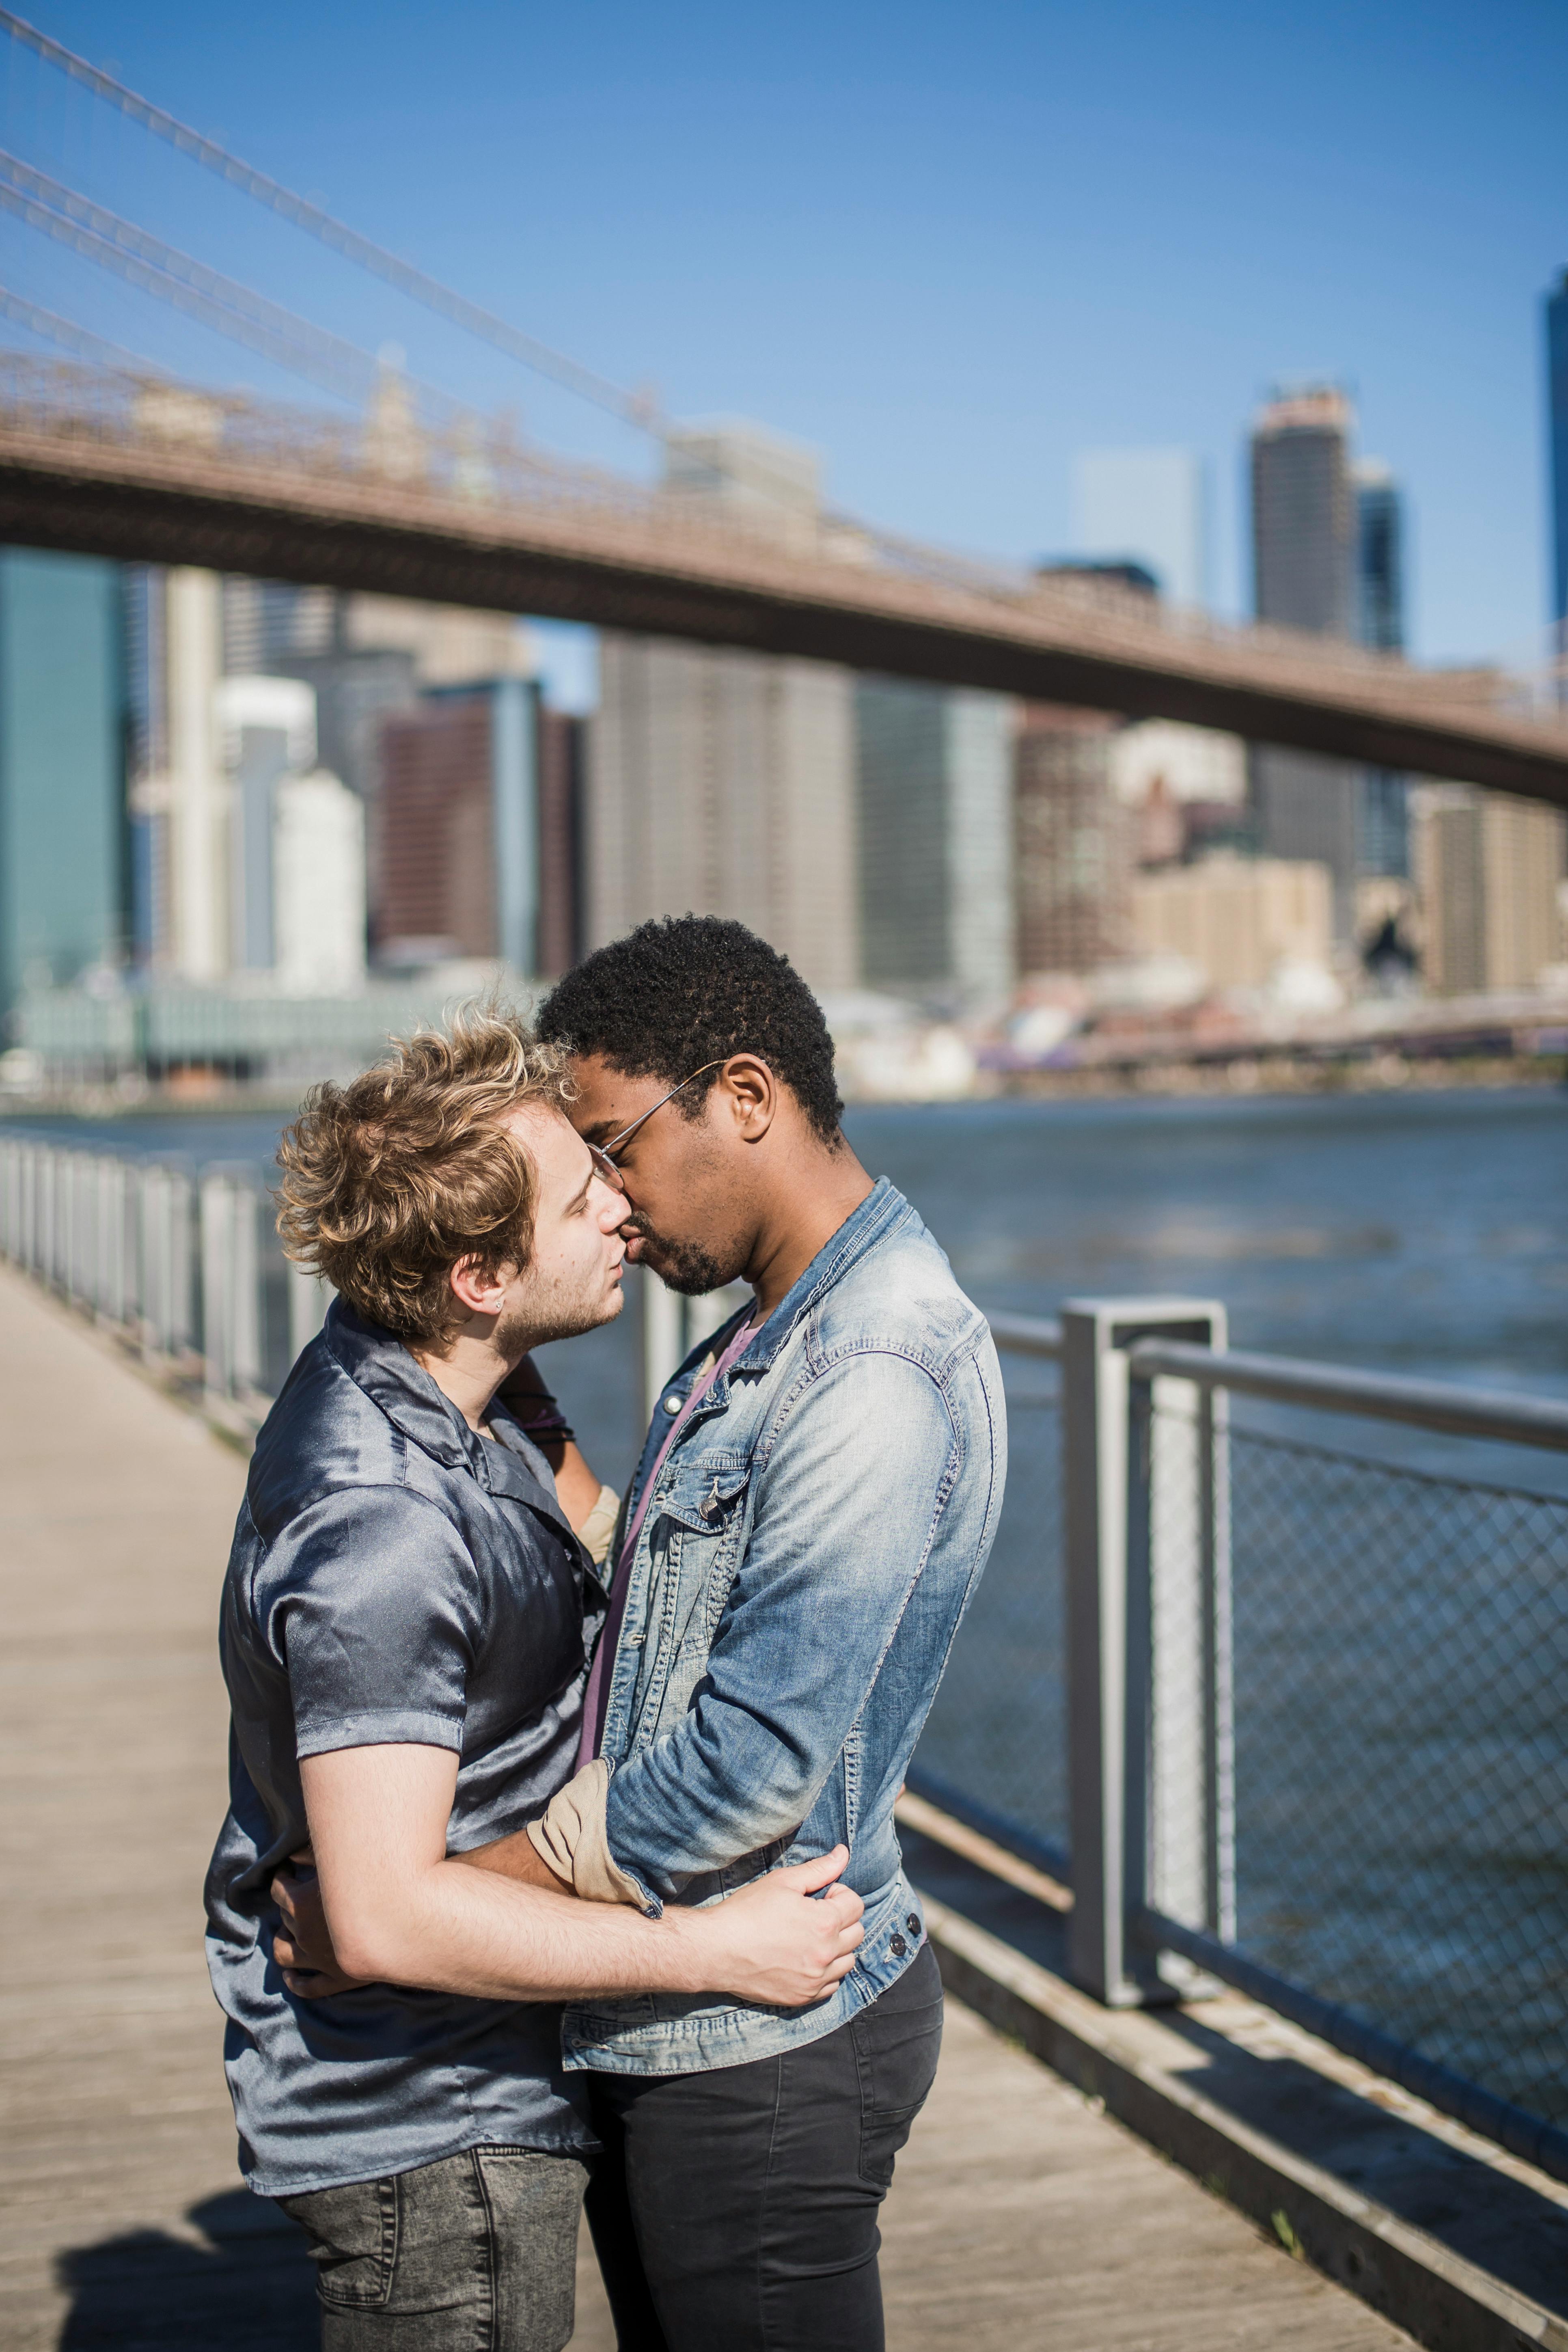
column 603, row 1154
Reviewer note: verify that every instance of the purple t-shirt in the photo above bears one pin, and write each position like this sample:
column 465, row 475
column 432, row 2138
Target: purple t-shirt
column 596, row 1699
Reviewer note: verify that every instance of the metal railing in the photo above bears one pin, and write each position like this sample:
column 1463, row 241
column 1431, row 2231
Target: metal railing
column 184, row 1268
column 1301, row 1727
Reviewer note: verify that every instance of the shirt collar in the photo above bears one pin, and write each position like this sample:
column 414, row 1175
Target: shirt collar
column 383, row 1366
column 883, row 1207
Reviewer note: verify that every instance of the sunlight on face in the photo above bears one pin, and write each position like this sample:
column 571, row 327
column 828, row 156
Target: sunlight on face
column 572, row 1281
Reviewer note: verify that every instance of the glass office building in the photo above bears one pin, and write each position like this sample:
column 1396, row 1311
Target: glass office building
column 64, row 882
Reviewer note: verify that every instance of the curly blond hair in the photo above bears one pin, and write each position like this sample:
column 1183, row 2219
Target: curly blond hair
column 391, row 1179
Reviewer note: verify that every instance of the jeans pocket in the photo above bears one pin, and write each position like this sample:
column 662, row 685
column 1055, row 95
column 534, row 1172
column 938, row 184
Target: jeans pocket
column 896, row 2048
column 351, row 2236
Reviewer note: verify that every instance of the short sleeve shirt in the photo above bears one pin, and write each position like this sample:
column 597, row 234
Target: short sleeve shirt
column 393, row 1577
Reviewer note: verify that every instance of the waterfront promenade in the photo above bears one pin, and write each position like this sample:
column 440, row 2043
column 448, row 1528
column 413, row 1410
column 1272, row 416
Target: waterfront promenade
column 1021, row 2217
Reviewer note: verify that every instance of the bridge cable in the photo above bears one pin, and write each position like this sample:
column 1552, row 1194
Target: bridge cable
column 633, row 408
column 80, row 342
column 223, row 303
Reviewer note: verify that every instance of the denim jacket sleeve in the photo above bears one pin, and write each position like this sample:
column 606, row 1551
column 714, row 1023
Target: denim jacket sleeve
column 853, row 1483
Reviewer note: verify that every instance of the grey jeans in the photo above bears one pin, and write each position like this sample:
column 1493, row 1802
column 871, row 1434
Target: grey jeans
column 475, row 2253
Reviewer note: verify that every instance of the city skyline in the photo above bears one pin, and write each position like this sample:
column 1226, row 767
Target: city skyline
column 1052, row 280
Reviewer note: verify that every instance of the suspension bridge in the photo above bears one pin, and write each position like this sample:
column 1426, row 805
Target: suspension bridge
column 102, row 453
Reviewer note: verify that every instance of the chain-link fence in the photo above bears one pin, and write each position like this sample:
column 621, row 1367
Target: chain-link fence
column 1400, row 1645
column 997, row 1733
column 1343, row 1775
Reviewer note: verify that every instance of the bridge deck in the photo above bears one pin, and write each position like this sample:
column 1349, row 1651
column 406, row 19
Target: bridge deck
column 1020, row 2217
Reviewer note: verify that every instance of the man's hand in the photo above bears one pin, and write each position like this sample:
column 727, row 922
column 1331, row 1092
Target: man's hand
column 780, row 1941
column 302, row 1945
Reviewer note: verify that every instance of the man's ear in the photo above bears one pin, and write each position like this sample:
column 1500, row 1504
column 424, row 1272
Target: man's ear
column 753, row 1093
column 480, row 1289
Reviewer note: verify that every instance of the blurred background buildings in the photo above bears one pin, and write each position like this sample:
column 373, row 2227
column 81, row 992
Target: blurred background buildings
column 226, row 801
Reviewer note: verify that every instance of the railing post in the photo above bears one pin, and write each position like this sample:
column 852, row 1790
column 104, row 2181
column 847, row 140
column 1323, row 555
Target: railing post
column 155, row 1261
column 308, row 1299
column 27, row 1238
column 1111, row 1498
column 84, row 1230
column 217, row 1206
column 47, row 1214
column 663, row 1337
column 244, row 1328
column 10, row 1197
column 1179, row 1570
column 182, row 1220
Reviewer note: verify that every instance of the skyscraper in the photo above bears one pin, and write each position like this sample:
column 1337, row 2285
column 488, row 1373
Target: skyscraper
column 178, row 794
column 934, row 790
column 63, row 866
column 1304, row 546
column 1385, row 843
column 267, row 728
column 1489, row 869
column 458, row 871
column 1075, row 843
column 563, row 738
column 1557, row 431
column 723, row 782
column 1146, row 506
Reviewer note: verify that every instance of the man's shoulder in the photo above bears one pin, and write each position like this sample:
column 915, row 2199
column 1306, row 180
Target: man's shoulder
column 899, row 1298
column 324, row 1438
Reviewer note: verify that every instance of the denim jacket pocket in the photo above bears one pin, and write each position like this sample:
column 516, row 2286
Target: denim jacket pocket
column 704, row 1515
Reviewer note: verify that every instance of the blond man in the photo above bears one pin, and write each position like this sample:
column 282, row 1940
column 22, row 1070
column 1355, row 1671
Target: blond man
column 403, row 1639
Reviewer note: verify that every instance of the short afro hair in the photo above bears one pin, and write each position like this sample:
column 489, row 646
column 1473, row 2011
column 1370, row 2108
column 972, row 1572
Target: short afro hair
column 689, row 989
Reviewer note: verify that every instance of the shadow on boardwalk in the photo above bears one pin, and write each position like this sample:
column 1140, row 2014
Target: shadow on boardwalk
column 249, row 2288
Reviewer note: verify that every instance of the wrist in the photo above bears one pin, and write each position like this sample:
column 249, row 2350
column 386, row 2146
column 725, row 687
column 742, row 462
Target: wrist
column 688, row 1951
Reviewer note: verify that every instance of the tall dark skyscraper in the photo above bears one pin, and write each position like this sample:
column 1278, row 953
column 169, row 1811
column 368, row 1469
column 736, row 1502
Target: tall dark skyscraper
column 1304, row 553
column 1557, row 428
column 1384, row 843
column 1380, row 559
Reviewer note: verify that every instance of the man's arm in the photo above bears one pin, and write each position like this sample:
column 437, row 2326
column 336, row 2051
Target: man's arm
column 398, row 1911
column 858, row 1490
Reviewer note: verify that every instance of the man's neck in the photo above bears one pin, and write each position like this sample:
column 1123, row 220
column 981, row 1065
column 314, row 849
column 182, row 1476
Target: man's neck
column 468, row 1374
column 811, row 1204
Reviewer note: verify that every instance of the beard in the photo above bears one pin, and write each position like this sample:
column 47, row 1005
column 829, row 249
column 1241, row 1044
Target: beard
column 559, row 1312
column 686, row 1267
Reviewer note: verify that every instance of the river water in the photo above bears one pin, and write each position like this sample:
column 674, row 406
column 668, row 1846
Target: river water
column 1422, row 1232
column 1400, row 1601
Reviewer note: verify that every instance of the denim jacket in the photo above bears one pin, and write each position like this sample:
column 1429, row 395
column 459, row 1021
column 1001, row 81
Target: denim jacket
column 818, row 1528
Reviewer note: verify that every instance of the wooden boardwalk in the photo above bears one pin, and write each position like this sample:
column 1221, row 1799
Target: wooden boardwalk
column 1020, row 2219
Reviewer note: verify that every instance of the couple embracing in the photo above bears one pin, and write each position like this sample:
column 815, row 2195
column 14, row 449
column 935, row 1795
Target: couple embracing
column 561, row 1853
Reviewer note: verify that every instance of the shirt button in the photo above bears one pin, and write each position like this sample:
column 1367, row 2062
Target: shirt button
column 913, row 1925
column 898, row 1947
column 672, row 1405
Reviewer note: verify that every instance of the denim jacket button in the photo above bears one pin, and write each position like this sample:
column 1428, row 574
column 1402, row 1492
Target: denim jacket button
column 913, row 1925
column 898, row 1947
column 672, row 1405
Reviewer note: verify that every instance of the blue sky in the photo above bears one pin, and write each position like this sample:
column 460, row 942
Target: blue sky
column 949, row 245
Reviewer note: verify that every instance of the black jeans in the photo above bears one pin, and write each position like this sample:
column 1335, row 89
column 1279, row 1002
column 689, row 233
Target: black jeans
column 736, row 2211
column 477, row 2253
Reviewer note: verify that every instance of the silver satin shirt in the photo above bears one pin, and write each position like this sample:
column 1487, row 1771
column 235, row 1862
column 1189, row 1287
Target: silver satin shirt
column 393, row 1577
